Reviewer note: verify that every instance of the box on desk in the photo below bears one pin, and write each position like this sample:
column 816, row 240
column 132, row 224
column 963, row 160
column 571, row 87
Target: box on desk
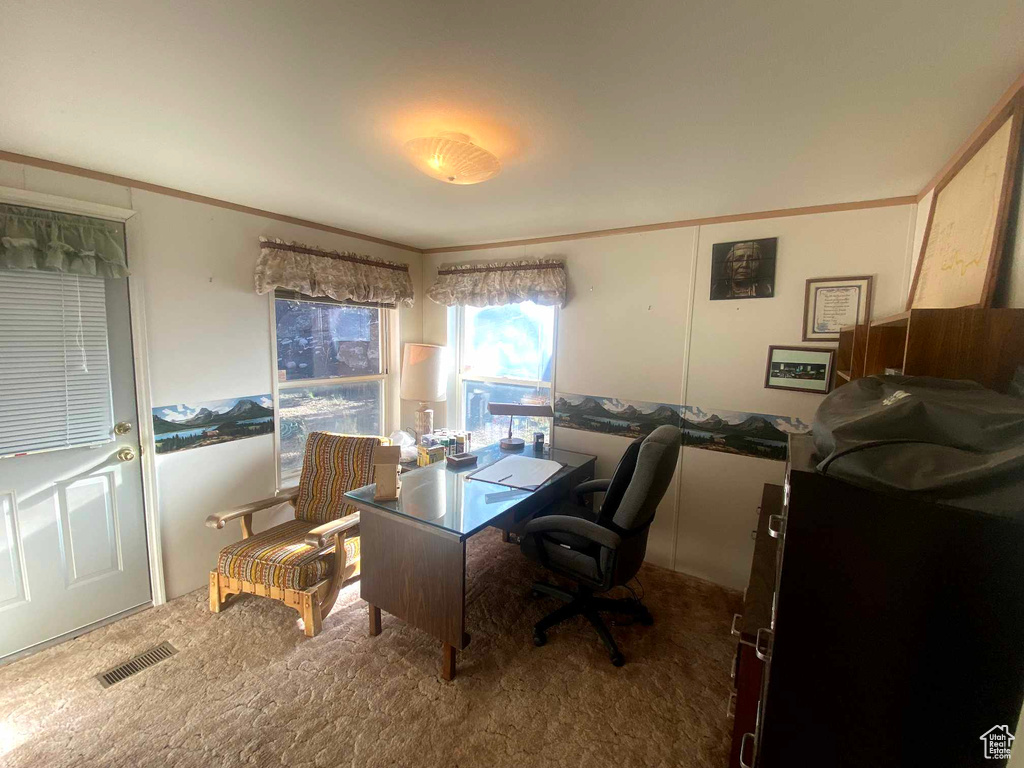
column 426, row 456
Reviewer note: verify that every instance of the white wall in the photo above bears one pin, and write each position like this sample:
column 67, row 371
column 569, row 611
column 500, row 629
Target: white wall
column 639, row 325
column 728, row 352
column 209, row 338
column 621, row 334
column 1017, row 754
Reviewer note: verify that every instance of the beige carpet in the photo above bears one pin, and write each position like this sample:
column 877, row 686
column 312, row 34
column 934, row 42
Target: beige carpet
column 247, row 688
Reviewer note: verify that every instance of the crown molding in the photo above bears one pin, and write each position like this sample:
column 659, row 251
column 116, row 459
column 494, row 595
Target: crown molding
column 124, row 181
column 885, row 202
column 170, row 191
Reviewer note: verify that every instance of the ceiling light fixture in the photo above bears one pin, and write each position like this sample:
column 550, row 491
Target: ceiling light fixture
column 453, row 158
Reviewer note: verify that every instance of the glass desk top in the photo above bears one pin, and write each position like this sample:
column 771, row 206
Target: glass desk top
column 448, row 499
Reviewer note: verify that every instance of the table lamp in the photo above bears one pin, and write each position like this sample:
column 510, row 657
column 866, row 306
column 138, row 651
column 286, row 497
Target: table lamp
column 424, row 379
column 512, row 410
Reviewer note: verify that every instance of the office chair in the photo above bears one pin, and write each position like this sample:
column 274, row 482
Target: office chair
column 603, row 550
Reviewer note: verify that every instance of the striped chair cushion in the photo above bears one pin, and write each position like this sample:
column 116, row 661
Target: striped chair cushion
column 332, row 465
column 280, row 558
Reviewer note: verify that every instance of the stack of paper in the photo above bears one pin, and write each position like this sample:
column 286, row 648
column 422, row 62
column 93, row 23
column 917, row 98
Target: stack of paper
column 518, row 472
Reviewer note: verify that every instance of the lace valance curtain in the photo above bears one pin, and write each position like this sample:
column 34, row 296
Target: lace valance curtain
column 31, row 238
column 541, row 281
column 340, row 276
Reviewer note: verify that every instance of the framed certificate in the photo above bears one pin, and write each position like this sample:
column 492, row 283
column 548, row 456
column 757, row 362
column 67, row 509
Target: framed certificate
column 833, row 302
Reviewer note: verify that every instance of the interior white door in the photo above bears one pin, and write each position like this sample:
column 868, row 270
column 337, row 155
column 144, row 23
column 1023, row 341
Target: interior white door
column 72, row 527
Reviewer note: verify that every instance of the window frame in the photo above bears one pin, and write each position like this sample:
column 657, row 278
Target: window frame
column 384, row 338
column 457, row 320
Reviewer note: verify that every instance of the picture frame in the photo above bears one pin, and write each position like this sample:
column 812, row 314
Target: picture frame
column 800, row 369
column 831, row 303
column 959, row 261
column 183, row 426
column 744, row 269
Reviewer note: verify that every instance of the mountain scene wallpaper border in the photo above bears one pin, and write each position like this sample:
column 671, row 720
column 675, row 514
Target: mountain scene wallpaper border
column 183, row 426
column 760, row 435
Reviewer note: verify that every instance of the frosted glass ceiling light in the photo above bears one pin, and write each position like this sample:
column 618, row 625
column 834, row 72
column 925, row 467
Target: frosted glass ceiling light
column 453, row 158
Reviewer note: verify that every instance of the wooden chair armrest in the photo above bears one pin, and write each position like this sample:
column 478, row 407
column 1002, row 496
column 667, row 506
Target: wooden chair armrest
column 218, row 519
column 321, row 535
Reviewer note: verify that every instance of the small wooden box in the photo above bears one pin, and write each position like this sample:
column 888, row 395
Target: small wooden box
column 461, row 460
column 387, row 466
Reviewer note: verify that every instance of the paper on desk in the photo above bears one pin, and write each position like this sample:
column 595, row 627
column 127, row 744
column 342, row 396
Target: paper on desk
column 518, row 472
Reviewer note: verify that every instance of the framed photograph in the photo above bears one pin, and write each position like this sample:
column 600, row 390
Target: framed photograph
column 800, row 369
column 832, row 302
column 959, row 264
column 195, row 425
column 743, row 269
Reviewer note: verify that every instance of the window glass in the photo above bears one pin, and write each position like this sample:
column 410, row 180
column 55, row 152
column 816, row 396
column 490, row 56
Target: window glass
column 510, row 342
column 319, row 341
column 487, row 429
column 353, row 409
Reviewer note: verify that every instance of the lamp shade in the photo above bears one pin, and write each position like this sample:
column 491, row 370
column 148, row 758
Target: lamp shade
column 424, row 373
column 452, row 158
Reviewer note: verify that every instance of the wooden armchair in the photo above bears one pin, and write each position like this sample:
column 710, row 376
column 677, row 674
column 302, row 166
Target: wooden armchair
column 304, row 562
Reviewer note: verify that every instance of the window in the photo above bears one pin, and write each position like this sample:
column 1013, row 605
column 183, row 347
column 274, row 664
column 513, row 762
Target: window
column 54, row 365
column 505, row 355
column 330, row 374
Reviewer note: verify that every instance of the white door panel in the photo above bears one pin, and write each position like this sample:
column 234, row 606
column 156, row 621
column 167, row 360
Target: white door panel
column 90, row 537
column 12, row 569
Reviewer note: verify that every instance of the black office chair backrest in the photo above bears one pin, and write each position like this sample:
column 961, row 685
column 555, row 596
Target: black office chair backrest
column 620, row 482
column 655, row 465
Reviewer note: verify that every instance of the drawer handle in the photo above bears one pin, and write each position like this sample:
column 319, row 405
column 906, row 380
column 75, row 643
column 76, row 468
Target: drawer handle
column 776, row 526
column 730, row 707
column 743, row 751
column 762, row 646
column 735, row 620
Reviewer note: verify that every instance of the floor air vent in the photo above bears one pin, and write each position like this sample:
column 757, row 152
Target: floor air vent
column 136, row 664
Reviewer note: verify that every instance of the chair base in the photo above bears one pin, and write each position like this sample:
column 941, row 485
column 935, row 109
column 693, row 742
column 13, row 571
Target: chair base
column 584, row 603
column 313, row 604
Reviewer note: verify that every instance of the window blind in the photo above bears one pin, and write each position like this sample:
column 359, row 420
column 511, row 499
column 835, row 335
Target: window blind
column 54, row 363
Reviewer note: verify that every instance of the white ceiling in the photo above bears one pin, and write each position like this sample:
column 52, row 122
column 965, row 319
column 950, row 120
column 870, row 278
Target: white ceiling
column 605, row 114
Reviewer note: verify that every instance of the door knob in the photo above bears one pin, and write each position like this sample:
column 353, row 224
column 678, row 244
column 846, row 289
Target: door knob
column 122, row 428
column 125, row 454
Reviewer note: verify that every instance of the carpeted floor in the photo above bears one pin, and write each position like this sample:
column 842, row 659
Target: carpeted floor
column 247, row 688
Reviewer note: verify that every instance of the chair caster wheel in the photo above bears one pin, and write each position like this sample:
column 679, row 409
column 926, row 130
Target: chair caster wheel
column 646, row 619
column 618, row 659
column 539, row 638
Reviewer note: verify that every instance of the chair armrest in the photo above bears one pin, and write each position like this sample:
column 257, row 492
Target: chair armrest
column 576, row 526
column 218, row 519
column 591, row 486
column 321, row 535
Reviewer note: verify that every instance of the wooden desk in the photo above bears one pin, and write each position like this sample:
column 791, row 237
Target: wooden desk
column 413, row 550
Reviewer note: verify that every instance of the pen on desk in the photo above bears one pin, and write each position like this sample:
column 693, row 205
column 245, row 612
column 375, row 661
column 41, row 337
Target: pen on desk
column 506, row 477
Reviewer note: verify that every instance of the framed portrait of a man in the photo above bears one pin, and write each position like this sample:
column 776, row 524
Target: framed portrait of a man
column 744, row 269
